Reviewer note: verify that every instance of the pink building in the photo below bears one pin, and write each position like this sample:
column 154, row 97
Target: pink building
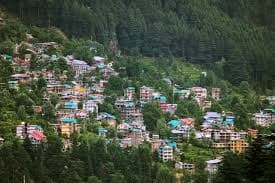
column 146, row 93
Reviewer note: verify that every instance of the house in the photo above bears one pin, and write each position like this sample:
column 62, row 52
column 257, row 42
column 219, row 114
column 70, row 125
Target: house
column 22, row 78
column 216, row 93
column 156, row 142
column 127, row 110
column 120, row 102
column 98, row 60
column 227, row 135
column 33, row 132
column 211, row 118
column 124, row 129
column 174, row 123
column 183, row 131
column 107, row 71
column 56, row 88
column 159, row 98
column 67, row 128
column 102, row 132
column 182, row 93
column 82, row 114
column 136, row 117
column 108, row 117
column 72, row 105
column 271, row 100
column 236, row 146
column 190, row 122
column 80, row 67
column 146, row 93
column 229, row 120
column 13, row 84
column 90, row 106
column 186, row 166
column 169, row 108
column 253, row 133
column 165, row 152
column 263, row 119
column 129, row 93
column 212, row 166
column 37, row 109
column 199, row 92
column 103, row 83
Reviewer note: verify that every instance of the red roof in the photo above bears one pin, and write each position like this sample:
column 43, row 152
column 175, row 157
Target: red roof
column 37, row 135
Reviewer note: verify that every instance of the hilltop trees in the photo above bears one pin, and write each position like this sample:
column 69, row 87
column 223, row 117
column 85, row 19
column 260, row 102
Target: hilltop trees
column 201, row 31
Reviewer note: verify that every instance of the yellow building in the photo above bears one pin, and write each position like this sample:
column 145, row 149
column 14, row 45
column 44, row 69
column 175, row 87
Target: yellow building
column 237, row 146
column 69, row 128
column 252, row 133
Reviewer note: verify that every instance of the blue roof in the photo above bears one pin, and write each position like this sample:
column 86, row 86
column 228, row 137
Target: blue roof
column 107, row 115
column 136, row 130
column 228, row 122
column 102, row 130
column 161, row 98
column 70, row 105
column 68, row 120
column 174, row 123
column 67, row 86
column 100, row 66
column 129, row 104
column 171, row 143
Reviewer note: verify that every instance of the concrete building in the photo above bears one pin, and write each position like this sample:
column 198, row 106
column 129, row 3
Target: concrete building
column 146, row 93
column 263, row 119
column 186, row 166
column 33, row 132
column 212, row 166
column 236, row 146
column 165, row 152
column 129, row 93
column 80, row 67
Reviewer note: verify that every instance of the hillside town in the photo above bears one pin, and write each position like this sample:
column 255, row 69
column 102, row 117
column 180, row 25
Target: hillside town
column 81, row 92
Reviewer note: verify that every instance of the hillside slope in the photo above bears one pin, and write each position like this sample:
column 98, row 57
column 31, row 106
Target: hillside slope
column 202, row 31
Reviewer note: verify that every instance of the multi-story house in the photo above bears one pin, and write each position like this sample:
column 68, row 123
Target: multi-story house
column 212, row 166
column 236, row 146
column 107, row 117
column 165, row 152
column 186, row 166
column 146, row 93
column 263, row 119
column 90, row 106
column 33, row 132
column 200, row 94
column 156, row 142
column 80, row 67
column 129, row 93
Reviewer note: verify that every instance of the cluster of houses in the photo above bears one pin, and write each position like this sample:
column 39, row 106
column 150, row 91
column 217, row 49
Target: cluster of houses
column 80, row 100
column 264, row 118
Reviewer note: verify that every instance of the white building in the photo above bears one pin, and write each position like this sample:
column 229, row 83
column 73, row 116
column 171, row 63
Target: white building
column 212, row 166
column 187, row 166
column 165, row 152
column 90, row 106
column 263, row 119
column 80, row 67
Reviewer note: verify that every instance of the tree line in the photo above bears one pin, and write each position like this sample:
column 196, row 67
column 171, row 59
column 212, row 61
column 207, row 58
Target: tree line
column 201, row 31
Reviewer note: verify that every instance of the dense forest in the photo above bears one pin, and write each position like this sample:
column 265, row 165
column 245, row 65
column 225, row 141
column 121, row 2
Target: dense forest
column 237, row 34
